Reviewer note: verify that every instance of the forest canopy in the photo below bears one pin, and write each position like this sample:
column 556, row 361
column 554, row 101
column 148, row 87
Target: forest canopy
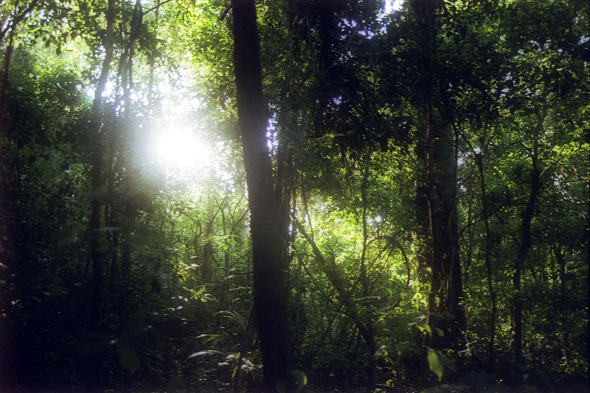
column 294, row 195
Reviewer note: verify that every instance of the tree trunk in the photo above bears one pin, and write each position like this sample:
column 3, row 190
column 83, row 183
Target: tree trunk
column 563, row 295
column 334, row 277
column 269, row 296
column 488, row 258
column 447, row 285
column 96, row 172
column 525, row 245
column 437, row 192
column 12, row 361
column 207, row 261
column 14, row 350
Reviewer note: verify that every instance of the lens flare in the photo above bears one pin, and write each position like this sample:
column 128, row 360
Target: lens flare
column 180, row 149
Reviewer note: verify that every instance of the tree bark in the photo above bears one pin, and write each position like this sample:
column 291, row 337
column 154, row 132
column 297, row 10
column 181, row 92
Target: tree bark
column 559, row 256
column 207, row 261
column 523, row 249
column 96, row 172
column 488, row 258
column 479, row 161
column 269, row 274
column 12, row 362
column 14, row 351
column 437, row 194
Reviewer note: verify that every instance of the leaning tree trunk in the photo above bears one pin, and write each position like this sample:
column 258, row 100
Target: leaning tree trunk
column 347, row 305
column 269, row 297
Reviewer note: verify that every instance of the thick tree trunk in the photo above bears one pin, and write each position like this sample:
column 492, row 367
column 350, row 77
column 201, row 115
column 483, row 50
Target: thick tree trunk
column 269, row 274
column 437, row 192
column 446, row 285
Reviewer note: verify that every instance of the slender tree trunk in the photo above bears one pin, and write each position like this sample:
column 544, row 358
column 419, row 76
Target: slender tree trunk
column 525, row 245
column 333, row 276
column 488, row 259
column 112, row 222
column 470, row 234
column 96, row 172
column 14, row 350
column 124, row 141
column 152, row 63
column 12, row 362
column 207, row 261
column 363, row 269
column 269, row 274
column 563, row 295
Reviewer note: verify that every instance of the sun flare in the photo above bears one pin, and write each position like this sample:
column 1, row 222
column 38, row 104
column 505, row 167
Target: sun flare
column 179, row 148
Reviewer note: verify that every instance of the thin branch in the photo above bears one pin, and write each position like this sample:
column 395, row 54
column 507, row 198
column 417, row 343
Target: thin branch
column 156, row 7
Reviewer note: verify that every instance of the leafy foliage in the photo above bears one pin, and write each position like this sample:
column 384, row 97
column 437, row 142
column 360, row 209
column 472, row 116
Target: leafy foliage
column 348, row 88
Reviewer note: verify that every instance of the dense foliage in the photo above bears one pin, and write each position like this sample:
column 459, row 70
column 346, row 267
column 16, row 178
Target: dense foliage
column 427, row 196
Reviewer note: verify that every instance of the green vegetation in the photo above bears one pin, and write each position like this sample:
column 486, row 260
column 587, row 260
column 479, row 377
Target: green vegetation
column 294, row 195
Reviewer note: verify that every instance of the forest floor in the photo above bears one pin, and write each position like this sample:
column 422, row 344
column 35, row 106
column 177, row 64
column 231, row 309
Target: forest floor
column 535, row 386
column 472, row 382
column 499, row 388
column 579, row 387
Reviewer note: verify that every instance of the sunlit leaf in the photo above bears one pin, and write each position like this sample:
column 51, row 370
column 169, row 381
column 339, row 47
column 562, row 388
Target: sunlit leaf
column 203, row 353
column 300, row 377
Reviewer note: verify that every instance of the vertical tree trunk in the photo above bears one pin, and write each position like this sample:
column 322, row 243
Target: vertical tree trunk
column 364, row 279
column 12, row 363
column 437, row 192
column 207, row 262
column 488, row 258
column 269, row 297
column 470, row 234
column 96, row 172
column 523, row 250
column 14, row 351
column 129, row 205
column 563, row 297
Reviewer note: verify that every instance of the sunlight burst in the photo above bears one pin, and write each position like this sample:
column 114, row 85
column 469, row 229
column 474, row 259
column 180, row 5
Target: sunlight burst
column 180, row 149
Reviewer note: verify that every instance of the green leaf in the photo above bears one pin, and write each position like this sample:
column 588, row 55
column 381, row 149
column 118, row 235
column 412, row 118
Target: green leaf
column 300, row 377
column 435, row 363
column 202, row 353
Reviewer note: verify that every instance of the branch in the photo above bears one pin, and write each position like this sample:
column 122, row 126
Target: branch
column 156, row 6
column 17, row 19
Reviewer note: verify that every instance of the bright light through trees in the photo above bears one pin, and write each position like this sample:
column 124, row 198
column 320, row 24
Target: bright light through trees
column 180, row 149
column 393, row 5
